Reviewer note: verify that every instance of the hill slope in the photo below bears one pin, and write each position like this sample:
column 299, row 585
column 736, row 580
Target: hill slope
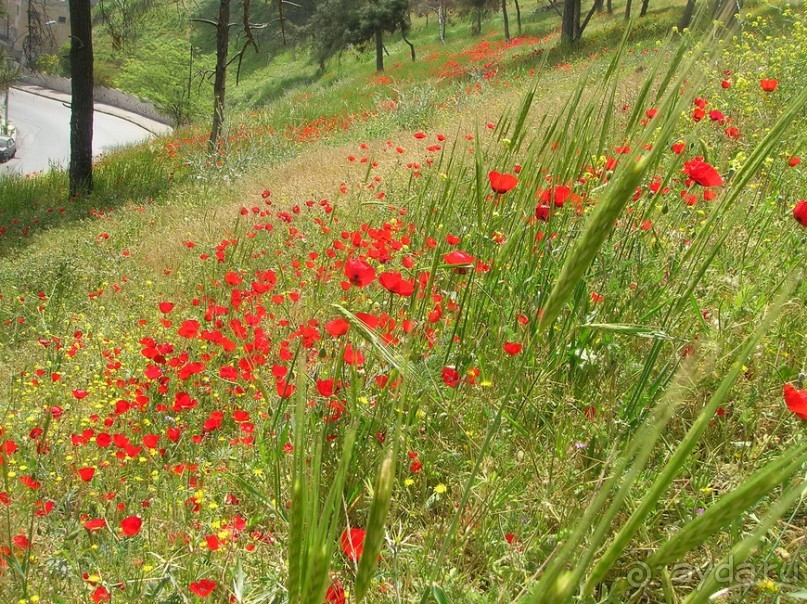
column 473, row 288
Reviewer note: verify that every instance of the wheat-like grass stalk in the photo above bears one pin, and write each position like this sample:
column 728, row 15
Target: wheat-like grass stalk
column 374, row 537
column 730, row 507
column 666, row 474
column 589, row 243
column 742, row 550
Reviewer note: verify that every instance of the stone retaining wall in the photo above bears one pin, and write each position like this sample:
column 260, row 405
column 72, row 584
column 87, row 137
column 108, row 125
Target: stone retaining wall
column 107, row 96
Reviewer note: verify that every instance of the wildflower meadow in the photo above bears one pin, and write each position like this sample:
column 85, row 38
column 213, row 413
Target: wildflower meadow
column 528, row 330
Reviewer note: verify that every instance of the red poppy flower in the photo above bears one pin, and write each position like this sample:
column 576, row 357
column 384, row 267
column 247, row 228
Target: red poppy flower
column 458, row 258
column 189, row 328
column 794, row 161
column 502, row 183
column 30, row 482
column 101, row 594
column 359, row 273
column 394, row 282
column 353, row 356
column 451, row 377
column 96, row 524
column 131, row 525
column 352, row 543
column 725, row 84
column 284, row 389
column 512, row 348
column 337, row 327
column 203, row 587
column 232, row 278
column 678, row 147
column 335, row 593
column 702, row 173
column 796, row 401
column 166, row 307
column 800, row 212
column 768, row 85
column 542, row 212
column 86, row 474
column 44, row 508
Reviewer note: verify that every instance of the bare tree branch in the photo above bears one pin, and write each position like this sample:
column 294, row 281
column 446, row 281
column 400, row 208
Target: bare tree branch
column 554, row 5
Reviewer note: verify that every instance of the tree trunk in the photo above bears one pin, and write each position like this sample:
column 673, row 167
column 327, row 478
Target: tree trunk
column 726, row 11
column 441, row 20
column 506, row 21
column 478, row 22
column 627, row 9
column 570, row 21
column 220, row 82
column 408, row 43
column 81, row 107
column 645, row 4
column 598, row 5
column 686, row 18
column 582, row 26
column 282, row 21
column 609, row 8
column 379, row 50
column 518, row 16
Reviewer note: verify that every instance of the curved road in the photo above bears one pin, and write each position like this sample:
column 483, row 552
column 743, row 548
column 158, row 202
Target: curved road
column 43, row 132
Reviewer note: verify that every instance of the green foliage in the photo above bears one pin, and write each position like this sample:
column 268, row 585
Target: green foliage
column 166, row 75
column 121, row 19
column 476, row 10
column 340, row 23
column 49, row 63
column 374, row 16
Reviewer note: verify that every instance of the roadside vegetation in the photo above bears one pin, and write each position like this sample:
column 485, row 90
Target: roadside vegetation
column 513, row 322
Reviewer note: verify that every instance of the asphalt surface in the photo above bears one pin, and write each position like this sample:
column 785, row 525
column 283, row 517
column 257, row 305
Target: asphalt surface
column 42, row 119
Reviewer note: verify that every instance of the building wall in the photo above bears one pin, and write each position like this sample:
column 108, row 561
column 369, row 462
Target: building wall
column 50, row 24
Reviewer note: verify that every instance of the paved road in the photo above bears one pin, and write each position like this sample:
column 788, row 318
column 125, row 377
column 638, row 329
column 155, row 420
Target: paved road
column 43, row 132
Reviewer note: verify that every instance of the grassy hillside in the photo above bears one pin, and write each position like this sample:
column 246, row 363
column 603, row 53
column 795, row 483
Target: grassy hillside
column 506, row 324
column 157, row 57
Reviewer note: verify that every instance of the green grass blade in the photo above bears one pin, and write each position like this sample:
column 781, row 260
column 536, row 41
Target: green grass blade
column 742, row 550
column 730, row 507
column 676, row 462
